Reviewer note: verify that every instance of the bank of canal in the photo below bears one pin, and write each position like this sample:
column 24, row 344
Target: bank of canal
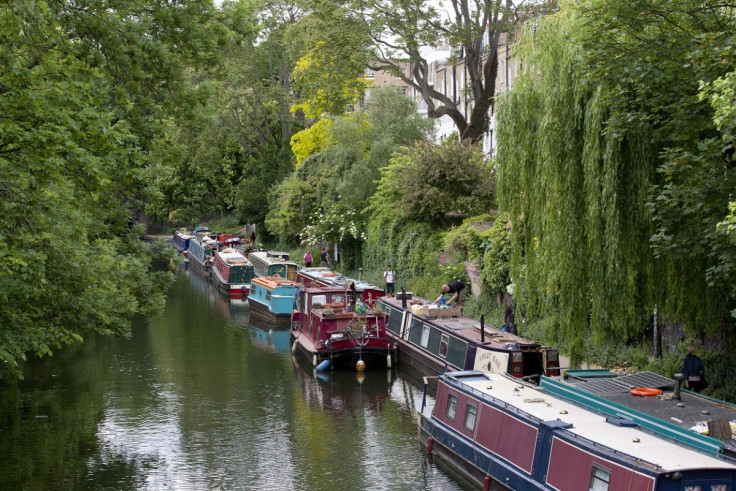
column 198, row 398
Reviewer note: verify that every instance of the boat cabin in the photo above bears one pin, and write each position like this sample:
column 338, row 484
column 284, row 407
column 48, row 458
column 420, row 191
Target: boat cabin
column 273, row 263
column 320, row 276
column 439, row 342
column 233, row 267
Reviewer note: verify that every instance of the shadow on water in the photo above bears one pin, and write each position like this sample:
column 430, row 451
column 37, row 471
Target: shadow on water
column 199, row 397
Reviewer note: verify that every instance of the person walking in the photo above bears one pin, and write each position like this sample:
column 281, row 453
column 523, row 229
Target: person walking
column 693, row 371
column 389, row 276
column 324, row 258
column 308, row 259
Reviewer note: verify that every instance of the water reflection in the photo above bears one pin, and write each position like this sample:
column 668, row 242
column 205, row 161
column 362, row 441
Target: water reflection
column 200, row 398
column 274, row 339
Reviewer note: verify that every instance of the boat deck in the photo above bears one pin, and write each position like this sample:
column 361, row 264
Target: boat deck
column 272, row 282
column 333, row 278
column 592, row 426
column 471, row 329
column 689, row 412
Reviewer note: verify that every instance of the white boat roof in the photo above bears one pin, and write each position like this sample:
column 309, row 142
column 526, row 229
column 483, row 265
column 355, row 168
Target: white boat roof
column 631, row 441
column 229, row 255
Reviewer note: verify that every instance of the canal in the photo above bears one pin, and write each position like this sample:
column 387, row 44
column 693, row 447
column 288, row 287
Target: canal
column 201, row 398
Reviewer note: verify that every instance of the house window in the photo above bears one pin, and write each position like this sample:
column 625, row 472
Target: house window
column 471, row 411
column 370, row 73
column 451, row 406
column 425, row 336
column 444, row 341
column 350, row 109
column 599, row 478
column 402, row 89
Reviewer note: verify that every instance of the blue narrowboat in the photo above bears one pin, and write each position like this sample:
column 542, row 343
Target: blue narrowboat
column 273, row 297
column 181, row 240
column 201, row 252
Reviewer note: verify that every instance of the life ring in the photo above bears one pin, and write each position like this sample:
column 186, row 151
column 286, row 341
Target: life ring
column 645, row 391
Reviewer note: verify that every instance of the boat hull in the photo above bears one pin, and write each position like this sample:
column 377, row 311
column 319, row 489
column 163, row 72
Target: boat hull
column 375, row 358
column 196, row 265
column 505, row 434
column 263, row 311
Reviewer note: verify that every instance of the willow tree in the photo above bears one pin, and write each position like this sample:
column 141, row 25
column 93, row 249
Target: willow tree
column 574, row 180
column 616, row 168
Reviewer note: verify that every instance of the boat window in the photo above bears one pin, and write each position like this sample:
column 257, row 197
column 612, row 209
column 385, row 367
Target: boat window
column 471, row 411
column 425, row 336
column 319, row 299
column 718, row 487
column 337, row 299
column 451, row 406
column 444, row 341
column 599, row 478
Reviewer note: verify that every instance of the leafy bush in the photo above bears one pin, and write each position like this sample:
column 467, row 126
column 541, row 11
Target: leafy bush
column 497, row 255
column 485, row 305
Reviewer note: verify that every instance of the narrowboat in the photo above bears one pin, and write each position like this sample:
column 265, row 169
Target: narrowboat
column 433, row 340
column 273, row 297
column 273, row 263
column 334, row 329
column 505, row 433
column 326, row 277
column 181, row 240
column 201, row 252
column 232, row 272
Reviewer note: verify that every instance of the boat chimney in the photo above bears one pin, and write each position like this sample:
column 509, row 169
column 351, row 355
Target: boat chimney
column 403, row 298
column 679, row 377
column 482, row 329
column 360, row 274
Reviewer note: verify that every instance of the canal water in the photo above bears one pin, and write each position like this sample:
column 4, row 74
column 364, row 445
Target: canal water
column 200, row 397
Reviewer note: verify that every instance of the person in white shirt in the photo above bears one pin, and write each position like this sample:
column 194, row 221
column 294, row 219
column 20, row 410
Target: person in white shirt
column 389, row 276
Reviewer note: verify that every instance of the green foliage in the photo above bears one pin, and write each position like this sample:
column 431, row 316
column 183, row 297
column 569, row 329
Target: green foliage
column 669, row 68
column 325, row 198
column 310, row 141
column 437, row 184
column 497, row 256
column 578, row 161
column 83, row 93
column 331, row 60
column 486, row 305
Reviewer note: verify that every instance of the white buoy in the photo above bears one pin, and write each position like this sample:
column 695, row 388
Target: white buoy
column 314, row 361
